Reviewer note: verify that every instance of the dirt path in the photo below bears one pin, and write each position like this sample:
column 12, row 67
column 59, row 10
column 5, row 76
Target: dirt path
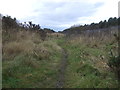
column 61, row 74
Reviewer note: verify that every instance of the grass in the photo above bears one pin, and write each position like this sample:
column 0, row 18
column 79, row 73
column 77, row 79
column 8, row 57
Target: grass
column 87, row 65
column 29, row 62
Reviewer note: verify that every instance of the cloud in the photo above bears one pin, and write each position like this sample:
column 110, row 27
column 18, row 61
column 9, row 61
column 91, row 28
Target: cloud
column 59, row 14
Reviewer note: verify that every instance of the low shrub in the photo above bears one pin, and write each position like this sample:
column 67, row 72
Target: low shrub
column 114, row 63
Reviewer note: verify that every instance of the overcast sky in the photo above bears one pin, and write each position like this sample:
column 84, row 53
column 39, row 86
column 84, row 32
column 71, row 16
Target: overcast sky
column 60, row 14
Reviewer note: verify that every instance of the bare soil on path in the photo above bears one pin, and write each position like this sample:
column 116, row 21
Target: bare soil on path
column 62, row 69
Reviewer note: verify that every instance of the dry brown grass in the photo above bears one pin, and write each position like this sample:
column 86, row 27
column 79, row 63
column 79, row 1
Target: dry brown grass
column 28, row 35
column 55, row 35
column 18, row 47
column 30, row 43
column 94, row 41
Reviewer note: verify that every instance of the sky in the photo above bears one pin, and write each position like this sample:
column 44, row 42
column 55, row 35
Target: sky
column 60, row 14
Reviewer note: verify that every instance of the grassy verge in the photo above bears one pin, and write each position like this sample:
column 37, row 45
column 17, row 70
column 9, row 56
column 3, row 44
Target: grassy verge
column 87, row 65
column 30, row 62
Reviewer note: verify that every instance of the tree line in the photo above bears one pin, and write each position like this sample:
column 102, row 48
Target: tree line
column 11, row 23
column 102, row 24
